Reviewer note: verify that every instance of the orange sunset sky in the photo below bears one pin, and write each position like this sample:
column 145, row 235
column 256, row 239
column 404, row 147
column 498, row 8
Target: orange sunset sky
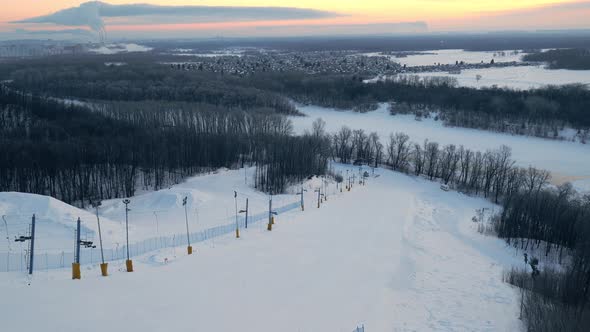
column 439, row 15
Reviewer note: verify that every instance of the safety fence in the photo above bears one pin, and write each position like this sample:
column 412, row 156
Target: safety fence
column 11, row 261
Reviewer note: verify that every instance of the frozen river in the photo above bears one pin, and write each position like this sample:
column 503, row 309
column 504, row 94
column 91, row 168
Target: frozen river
column 521, row 78
column 566, row 160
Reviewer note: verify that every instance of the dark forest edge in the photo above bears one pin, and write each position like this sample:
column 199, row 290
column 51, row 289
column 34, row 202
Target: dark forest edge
column 574, row 59
column 540, row 112
column 80, row 155
column 533, row 112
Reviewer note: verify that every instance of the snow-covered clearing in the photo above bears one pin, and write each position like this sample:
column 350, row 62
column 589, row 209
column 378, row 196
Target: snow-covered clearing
column 119, row 48
column 398, row 254
column 232, row 51
column 445, row 57
column 521, row 78
column 560, row 157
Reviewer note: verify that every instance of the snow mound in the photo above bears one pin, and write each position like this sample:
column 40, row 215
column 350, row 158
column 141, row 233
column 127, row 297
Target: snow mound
column 45, row 208
column 55, row 221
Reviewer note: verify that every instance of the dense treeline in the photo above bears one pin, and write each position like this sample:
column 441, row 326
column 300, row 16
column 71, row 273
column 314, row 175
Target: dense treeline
column 490, row 174
column 136, row 81
column 461, row 105
column 574, row 58
column 77, row 155
column 488, row 41
column 539, row 112
column 550, row 222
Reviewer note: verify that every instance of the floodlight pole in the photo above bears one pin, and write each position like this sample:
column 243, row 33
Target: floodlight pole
column 157, row 224
column 126, row 202
column 103, row 265
column 189, row 248
column 128, row 263
column 96, row 205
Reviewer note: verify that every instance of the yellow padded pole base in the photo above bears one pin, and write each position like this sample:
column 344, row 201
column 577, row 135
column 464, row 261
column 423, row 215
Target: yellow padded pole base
column 269, row 227
column 129, row 265
column 189, row 250
column 272, row 219
column 104, row 269
column 237, row 233
column 76, row 271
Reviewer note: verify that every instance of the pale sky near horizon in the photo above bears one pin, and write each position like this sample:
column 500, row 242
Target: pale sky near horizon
column 439, row 15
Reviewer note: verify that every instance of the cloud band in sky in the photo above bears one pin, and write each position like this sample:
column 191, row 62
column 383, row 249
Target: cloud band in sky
column 92, row 14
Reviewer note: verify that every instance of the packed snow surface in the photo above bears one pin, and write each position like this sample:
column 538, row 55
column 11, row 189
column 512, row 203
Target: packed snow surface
column 565, row 159
column 398, row 254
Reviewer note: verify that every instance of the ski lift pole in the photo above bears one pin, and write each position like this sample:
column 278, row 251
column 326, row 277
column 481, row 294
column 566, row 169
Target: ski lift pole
column 8, row 244
column 270, row 217
column 319, row 191
column 301, row 194
column 236, row 205
column 32, row 251
column 246, row 212
column 302, row 203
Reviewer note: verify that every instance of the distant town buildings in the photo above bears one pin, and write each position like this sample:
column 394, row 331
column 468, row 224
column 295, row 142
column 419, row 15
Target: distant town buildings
column 23, row 49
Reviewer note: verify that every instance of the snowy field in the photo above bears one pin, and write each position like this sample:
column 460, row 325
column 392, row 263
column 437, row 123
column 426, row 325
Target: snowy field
column 120, row 48
column 398, row 254
column 445, row 57
column 564, row 159
column 232, row 51
column 521, row 78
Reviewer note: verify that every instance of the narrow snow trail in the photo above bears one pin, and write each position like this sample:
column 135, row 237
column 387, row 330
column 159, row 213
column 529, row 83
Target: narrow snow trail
column 396, row 255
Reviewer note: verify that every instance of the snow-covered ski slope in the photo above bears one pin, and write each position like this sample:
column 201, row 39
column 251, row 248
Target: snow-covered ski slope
column 156, row 219
column 398, row 254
